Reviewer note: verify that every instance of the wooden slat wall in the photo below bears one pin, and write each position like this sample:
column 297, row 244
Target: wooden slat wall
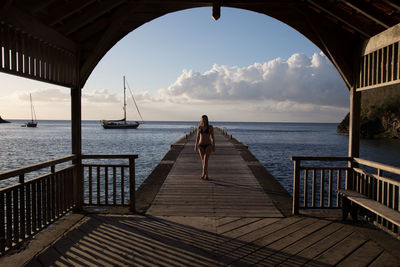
column 379, row 68
column 27, row 56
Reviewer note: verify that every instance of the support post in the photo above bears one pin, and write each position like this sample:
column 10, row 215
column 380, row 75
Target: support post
column 296, row 185
column 76, row 134
column 354, row 131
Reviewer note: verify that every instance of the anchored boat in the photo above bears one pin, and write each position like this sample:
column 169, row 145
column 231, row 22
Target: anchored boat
column 122, row 124
column 33, row 122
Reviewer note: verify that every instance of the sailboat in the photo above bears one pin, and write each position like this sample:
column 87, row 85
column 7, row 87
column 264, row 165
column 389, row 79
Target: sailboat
column 122, row 124
column 33, row 122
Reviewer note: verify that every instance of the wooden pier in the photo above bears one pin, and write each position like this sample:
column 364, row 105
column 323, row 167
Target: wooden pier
column 232, row 189
column 231, row 219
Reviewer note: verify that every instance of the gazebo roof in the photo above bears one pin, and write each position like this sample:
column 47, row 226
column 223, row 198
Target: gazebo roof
column 88, row 29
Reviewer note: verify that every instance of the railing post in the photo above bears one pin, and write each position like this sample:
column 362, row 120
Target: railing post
column 132, row 201
column 22, row 207
column 350, row 174
column 2, row 222
column 296, row 185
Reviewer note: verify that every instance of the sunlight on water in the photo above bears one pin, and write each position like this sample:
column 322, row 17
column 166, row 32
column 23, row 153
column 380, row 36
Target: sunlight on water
column 272, row 143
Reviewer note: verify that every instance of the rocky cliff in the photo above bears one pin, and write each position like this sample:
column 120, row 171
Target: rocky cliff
column 380, row 114
column 3, row 121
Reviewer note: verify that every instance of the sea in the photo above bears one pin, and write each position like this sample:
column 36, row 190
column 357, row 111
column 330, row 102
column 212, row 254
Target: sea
column 273, row 144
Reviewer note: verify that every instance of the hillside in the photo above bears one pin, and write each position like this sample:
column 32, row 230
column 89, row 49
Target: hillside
column 380, row 114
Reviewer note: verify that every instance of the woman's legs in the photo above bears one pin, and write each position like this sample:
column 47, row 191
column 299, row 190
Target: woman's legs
column 205, row 155
column 202, row 153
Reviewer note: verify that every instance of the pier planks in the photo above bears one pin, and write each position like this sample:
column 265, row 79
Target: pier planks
column 232, row 189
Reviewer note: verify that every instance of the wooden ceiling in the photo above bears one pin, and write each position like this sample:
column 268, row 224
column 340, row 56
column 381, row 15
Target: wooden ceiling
column 89, row 28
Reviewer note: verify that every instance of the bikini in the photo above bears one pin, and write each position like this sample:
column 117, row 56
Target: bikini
column 206, row 131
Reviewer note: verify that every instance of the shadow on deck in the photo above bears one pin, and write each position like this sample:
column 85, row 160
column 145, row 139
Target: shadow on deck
column 238, row 218
column 197, row 241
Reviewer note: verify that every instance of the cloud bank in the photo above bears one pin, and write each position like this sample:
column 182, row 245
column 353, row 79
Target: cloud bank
column 47, row 95
column 300, row 88
column 299, row 79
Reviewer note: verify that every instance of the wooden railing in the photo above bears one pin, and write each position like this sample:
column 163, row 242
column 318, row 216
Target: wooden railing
column 40, row 194
column 378, row 187
column 30, row 204
column 106, row 184
column 314, row 186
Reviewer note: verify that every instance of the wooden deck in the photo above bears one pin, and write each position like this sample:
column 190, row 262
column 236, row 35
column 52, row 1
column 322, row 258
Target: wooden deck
column 232, row 189
column 226, row 221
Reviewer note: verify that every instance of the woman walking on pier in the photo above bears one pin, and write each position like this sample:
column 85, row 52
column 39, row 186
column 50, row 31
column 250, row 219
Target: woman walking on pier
column 205, row 144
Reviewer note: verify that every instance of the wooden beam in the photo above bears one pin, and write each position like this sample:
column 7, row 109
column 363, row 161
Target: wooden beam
column 67, row 10
column 369, row 13
column 390, row 3
column 29, row 24
column 89, row 17
column 118, row 29
column 344, row 18
column 87, row 33
column 40, row 5
column 385, row 38
column 354, row 132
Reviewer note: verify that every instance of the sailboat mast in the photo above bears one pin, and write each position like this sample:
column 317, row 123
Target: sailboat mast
column 124, row 101
column 30, row 97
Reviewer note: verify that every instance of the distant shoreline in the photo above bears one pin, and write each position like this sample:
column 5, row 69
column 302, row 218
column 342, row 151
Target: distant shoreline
column 194, row 121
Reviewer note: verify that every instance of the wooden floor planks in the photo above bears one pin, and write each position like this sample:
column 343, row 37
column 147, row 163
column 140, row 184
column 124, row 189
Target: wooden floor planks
column 226, row 221
column 232, row 189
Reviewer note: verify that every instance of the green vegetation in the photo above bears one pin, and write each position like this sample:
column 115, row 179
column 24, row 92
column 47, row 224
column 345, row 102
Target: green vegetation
column 390, row 105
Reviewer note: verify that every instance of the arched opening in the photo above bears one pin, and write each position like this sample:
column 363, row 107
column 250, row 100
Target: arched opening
column 259, row 85
column 232, row 73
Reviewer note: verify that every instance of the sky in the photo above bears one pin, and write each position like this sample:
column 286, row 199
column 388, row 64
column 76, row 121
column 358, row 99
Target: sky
column 244, row 67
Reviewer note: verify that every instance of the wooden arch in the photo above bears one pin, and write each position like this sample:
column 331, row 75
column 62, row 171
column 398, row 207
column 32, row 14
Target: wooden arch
column 61, row 42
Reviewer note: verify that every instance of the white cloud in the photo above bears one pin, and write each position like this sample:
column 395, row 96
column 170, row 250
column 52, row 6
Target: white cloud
column 47, row 95
column 101, row 96
column 300, row 88
column 299, row 79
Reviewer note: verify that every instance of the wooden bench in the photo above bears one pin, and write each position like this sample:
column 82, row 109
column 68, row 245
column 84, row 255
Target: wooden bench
column 351, row 200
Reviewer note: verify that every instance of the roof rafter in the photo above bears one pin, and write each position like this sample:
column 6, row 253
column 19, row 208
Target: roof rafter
column 343, row 18
column 369, row 13
column 90, row 16
column 67, row 10
column 28, row 24
column 390, row 3
column 42, row 5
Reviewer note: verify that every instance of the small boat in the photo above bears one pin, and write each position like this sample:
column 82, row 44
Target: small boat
column 33, row 122
column 122, row 124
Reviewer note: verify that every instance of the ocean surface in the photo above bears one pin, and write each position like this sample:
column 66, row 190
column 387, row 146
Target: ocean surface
column 272, row 143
